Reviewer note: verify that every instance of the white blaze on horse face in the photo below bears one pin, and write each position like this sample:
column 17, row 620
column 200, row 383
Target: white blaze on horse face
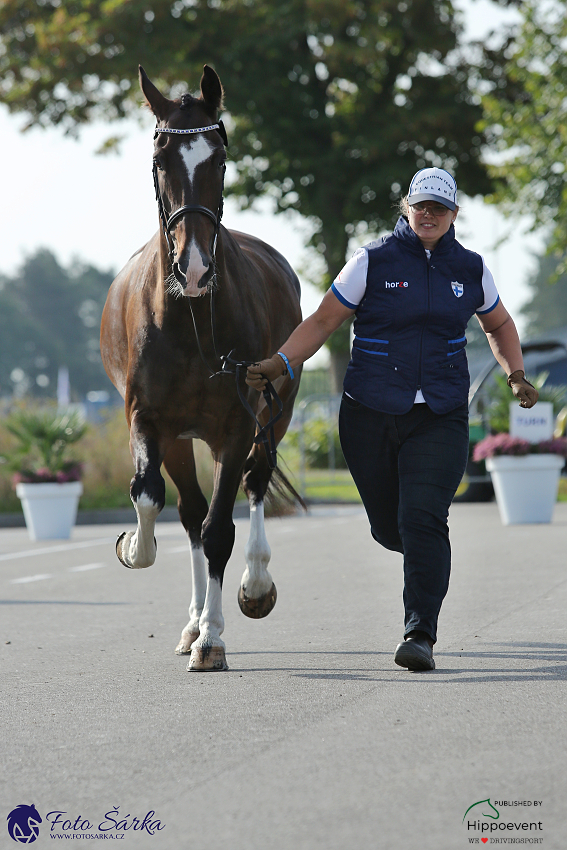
column 194, row 154
column 196, row 268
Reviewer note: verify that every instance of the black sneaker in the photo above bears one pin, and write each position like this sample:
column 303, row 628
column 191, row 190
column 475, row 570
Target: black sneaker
column 415, row 652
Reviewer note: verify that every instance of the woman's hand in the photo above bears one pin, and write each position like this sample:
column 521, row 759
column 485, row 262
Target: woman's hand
column 258, row 375
column 307, row 338
column 522, row 389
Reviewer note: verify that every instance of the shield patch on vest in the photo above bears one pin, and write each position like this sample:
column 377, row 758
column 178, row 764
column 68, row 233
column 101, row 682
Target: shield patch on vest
column 457, row 288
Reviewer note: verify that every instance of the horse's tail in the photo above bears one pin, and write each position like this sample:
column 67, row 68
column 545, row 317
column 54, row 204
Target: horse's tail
column 280, row 489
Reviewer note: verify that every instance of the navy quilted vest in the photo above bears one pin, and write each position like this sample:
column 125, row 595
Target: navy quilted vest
column 410, row 325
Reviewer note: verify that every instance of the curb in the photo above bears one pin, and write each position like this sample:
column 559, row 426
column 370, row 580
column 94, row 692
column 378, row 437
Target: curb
column 115, row 515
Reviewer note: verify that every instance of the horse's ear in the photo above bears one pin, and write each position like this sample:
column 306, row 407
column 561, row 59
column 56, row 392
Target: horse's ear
column 211, row 88
column 160, row 105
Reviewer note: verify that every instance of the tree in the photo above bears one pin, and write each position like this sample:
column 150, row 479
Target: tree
column 49, row 318
column 526, row 122
column 334, row 103
column 547, row 308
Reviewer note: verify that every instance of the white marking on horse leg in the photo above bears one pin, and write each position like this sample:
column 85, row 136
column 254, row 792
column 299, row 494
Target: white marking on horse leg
column 208, row 651
column 256, row 580
column 199, row 574
column 211, row 622
column 138, row 548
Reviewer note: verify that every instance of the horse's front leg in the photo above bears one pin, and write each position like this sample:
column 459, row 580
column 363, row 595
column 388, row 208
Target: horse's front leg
column 257, row 594
column 208, row 652
column 137, row 549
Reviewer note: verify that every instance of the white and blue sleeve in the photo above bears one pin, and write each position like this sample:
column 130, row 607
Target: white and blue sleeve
column 491, row 297
column 350, row 284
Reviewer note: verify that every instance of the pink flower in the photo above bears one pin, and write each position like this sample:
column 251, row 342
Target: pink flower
column 556, row 446
column 504, row 444
column 500, row 444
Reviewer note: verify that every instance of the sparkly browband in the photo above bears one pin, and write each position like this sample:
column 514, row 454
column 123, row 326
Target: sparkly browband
column 196, row 130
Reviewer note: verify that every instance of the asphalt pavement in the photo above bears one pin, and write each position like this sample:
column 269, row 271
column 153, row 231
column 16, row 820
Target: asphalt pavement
column 314, row 739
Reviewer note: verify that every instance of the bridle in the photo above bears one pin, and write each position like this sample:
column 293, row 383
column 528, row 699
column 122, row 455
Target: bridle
column 168, row 223
column 265, row 434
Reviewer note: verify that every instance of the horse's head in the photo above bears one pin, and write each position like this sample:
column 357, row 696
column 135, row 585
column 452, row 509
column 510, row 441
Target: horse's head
column 189, row 171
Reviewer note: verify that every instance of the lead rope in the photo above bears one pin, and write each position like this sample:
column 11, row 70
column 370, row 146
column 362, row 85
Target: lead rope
column 265, row 434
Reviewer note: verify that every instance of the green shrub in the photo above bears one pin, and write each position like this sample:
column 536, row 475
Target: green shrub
column 317, row 442
column 107, row 465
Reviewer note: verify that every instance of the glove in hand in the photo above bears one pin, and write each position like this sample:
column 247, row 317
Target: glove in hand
column 522, row 389
column 258, row 375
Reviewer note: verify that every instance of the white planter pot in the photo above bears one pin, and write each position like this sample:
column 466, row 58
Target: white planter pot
column 525, row 487
column 50, row 510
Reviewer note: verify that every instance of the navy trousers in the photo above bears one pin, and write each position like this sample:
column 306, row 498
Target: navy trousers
column 407, row 469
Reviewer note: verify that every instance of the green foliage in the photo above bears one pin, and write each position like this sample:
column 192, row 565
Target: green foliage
column 313, row 381
column 42, row 440
column 334, row 104
column 499, row 398
column 317, row 435
column 107, row 466
column 525, row 119
column 50, row 317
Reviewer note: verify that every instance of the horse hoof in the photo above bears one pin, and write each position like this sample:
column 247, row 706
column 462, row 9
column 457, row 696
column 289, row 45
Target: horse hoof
column 207, row 658
column 184, row 645
column 257, row 608
column 123, row 538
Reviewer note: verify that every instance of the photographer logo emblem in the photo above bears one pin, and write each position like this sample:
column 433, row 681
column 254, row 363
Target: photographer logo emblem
column 23, row 824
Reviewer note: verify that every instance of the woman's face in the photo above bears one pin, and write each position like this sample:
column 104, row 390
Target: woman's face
column 430, row 220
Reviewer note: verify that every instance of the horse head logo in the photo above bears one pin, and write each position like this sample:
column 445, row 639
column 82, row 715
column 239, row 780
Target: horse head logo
column 23, row 824
column 483, row 814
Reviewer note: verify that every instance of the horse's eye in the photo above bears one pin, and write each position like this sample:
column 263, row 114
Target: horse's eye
column 158, row 164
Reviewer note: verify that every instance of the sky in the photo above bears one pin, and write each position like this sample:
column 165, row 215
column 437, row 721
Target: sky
column 58, row 193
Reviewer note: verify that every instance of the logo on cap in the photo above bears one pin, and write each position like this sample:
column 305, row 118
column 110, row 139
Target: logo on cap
column 433, row 184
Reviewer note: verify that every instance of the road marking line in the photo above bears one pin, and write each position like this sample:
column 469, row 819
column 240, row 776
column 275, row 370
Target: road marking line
column 84, row 567
column 27, row 579
column 65, row 547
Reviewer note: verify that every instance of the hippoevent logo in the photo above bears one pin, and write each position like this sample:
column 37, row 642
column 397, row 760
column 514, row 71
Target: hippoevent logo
column 502, row 822
column 23, row 824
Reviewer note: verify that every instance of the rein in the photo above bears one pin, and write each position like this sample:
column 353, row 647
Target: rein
column 265, row 433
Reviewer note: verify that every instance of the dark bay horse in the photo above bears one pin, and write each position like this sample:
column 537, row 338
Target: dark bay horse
column 160, row 343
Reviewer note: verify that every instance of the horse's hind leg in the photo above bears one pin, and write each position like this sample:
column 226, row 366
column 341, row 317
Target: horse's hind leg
column 192, row 505
column 138, row 549
column 257, row 594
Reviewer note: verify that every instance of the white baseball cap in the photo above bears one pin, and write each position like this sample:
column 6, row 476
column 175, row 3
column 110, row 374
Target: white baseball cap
column 433, row 184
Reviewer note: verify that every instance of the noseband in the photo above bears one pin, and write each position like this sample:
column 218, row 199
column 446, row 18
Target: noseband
column 175, row 217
